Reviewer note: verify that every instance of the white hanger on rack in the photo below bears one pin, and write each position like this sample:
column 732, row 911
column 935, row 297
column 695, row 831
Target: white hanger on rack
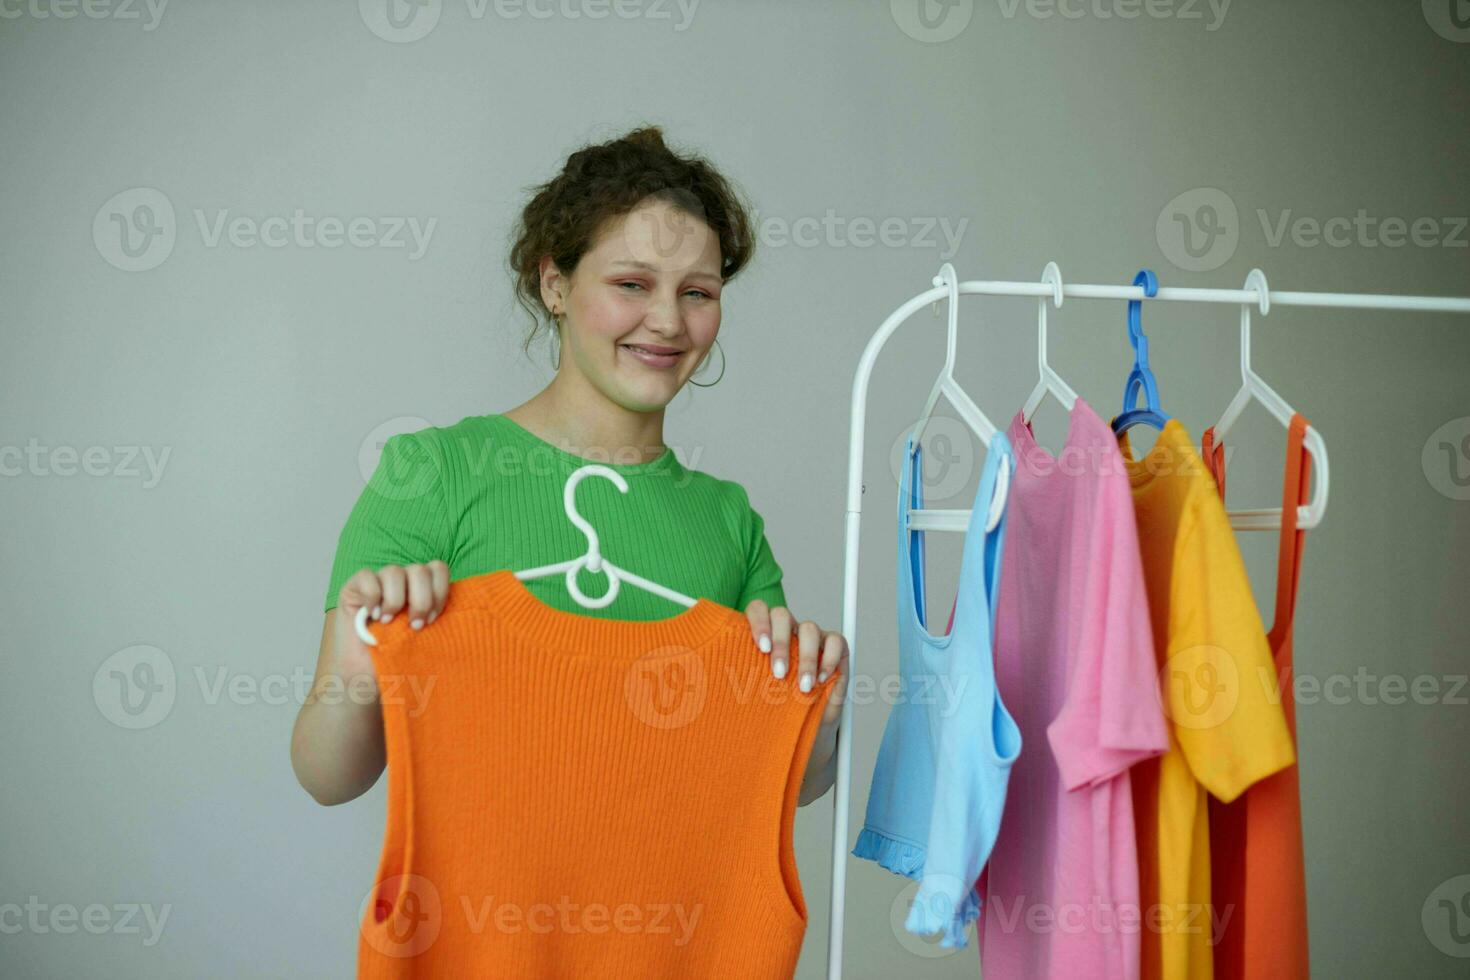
column 970, row 412
column 1310, row 514
column 592, row 560
column 1050, row 381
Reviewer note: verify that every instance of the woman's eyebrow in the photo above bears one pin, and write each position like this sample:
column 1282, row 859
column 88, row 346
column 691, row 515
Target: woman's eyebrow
column 644, row 266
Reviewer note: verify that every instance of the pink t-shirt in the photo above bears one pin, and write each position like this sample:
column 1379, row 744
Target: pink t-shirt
column 1074, row 662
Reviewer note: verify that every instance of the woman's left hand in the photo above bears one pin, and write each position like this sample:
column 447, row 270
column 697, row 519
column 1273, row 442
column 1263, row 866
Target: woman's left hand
column 820, row 653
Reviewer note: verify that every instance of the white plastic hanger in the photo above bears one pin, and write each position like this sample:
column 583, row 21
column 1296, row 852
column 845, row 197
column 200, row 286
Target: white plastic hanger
column 970, row 412
column 1264, row 519
column 1050, row 381
column 592, row 560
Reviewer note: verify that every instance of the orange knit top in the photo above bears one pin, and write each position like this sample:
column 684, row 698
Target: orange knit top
column 571, row 796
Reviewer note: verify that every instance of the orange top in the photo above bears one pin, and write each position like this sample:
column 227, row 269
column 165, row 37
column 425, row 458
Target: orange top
column 572, row 796
column 1259, row 878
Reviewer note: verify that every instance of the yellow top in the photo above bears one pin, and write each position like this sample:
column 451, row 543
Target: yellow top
column 1227, row 727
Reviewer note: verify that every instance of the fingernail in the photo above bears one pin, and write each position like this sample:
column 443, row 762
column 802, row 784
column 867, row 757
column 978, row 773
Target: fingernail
column 376, row 611
column 806, row 682
column 780, row 669
column 417, row 624
column 765, row 644
column 433, row 614
column 821, row 677
column 388, row 618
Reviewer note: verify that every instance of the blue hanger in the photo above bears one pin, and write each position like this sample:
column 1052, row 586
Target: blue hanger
column 1141, row 378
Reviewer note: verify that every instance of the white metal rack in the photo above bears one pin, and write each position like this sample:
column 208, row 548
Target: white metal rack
column 957, row 520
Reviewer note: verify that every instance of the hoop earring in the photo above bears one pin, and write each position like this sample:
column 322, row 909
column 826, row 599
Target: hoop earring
column 722, row 368
column 555, row 342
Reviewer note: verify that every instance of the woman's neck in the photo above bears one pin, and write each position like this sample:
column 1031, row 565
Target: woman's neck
column 592, row 429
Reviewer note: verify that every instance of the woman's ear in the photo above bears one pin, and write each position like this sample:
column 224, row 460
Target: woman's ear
column 553, row 286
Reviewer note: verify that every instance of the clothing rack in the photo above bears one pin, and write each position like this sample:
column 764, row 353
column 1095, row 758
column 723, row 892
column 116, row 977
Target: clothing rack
column 855, row 488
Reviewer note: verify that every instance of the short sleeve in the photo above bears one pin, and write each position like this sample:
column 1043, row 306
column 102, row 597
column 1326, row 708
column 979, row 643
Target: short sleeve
column 1111, row 717
column 762, row 573
column 400, row 517
column 1223, row 695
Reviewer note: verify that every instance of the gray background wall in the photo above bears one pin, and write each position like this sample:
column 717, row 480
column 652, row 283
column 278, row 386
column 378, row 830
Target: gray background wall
column 267, row 374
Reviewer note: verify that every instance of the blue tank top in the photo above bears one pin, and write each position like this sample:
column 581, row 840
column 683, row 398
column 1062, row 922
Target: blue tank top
column 939, row 783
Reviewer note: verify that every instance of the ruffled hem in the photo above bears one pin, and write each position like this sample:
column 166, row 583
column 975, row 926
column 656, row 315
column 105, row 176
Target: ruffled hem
column 895, row 855
column 924, row 919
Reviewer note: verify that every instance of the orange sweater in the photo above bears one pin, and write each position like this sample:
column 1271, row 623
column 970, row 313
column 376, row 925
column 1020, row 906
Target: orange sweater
column 570, row 796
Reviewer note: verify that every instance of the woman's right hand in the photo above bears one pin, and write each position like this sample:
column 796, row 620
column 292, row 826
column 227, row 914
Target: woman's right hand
column 337, row 745
column 416, row 591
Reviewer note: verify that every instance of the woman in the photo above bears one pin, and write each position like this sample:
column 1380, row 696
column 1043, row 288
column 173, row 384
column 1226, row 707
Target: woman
column 626, row 252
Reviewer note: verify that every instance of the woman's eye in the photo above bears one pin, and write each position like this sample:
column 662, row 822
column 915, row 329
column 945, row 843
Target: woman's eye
column 693, row 292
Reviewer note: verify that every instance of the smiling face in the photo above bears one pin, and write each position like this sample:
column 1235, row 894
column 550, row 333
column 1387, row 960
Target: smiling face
column 642, row 307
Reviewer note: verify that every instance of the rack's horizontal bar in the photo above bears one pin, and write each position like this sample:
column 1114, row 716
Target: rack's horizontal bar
column 1189, row 294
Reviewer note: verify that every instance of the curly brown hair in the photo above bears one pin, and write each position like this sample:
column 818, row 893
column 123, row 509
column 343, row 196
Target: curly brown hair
column 605, row 181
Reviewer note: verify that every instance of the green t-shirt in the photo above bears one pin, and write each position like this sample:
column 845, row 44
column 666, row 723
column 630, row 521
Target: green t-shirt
column 486, row 494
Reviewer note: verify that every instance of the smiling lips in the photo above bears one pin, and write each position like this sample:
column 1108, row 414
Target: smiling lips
column 653, row 355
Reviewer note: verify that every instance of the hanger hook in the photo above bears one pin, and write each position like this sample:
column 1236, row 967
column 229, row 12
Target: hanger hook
column 948, row 277
column 1150, row 283
column 1141, row 378
column 1053, row 275
column 592, row 561
column 1256, row 279
column 569, row 497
